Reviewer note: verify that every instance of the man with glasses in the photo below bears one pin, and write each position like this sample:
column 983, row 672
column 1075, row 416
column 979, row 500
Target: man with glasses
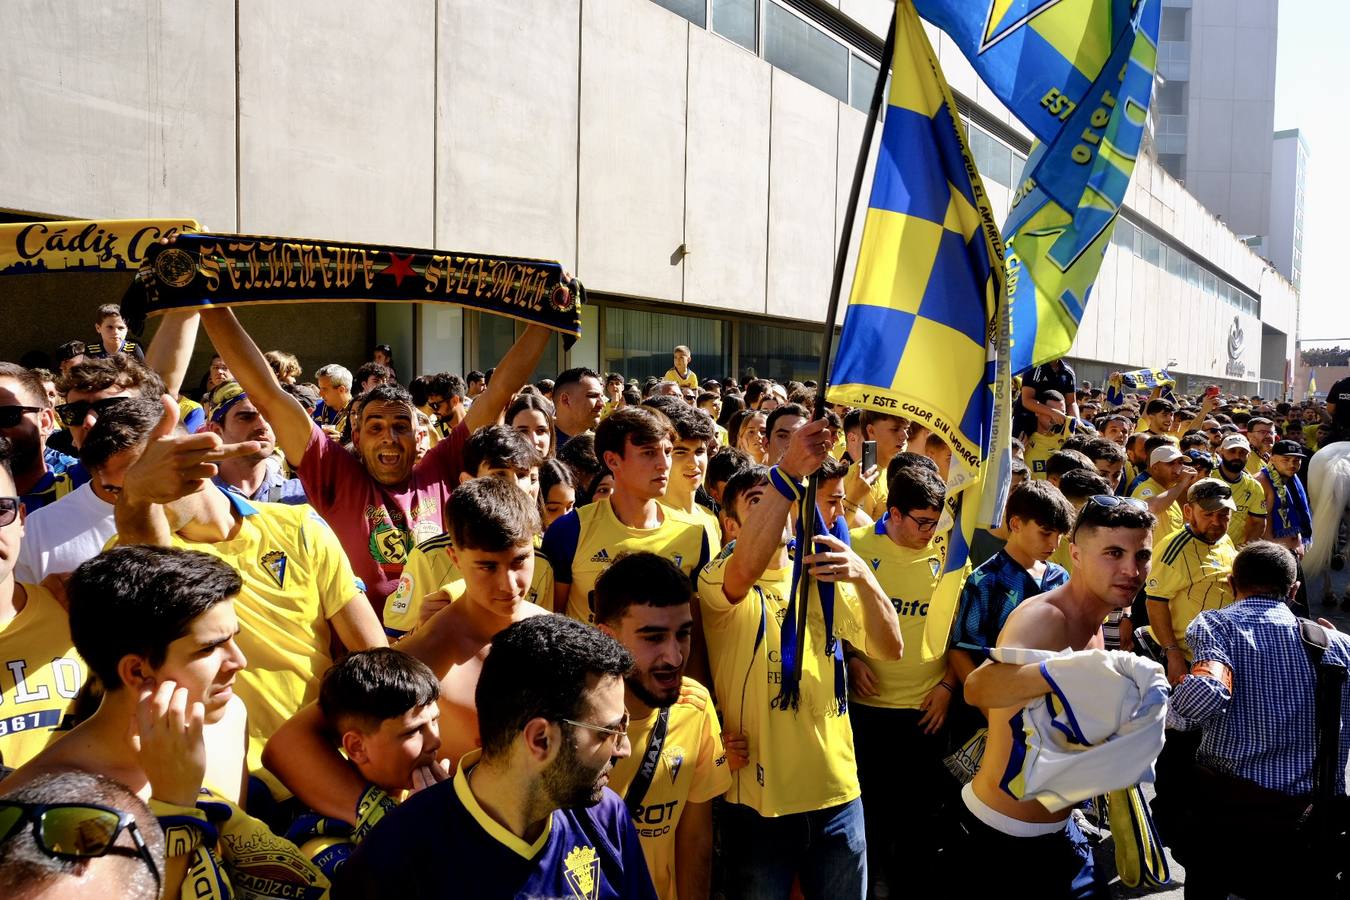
column 97, row 384
column 79, row 834
column 1044, row 852
column 27, row 421
column 43, row 672
column 530, row 814
column 446, row 398
column 1261, row 434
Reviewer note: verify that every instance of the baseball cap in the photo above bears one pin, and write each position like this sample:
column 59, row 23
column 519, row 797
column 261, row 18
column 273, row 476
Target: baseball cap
column 1211, row 494
column 1200, row 457
column 1235, row 440
column 1288, row 448
column 1164, row 454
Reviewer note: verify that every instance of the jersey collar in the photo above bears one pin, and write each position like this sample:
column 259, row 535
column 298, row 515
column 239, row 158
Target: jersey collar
column 485, row 821
column 241, row 505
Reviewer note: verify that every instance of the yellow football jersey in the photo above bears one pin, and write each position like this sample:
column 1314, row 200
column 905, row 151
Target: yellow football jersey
column 1255, row 464
column 296, row 578
column 1192, row 576
column 875, row 503
column 1062, row 556
column 583, row 543
column 42, row 674
column 800, row 760
column 1250, row 500
column 692, row 768
column 1039, row 448
column 430, row 568
column 711, row 526
column 1167, row 523
column 909, row 578
column 688, row 379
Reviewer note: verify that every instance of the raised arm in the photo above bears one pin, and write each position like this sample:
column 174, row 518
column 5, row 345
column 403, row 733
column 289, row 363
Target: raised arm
column 288, row 418
column 508, row 377
column 170, row 350
column 304, row 756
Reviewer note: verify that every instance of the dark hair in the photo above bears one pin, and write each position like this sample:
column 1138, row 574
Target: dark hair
column 785, row 409
column 1040, row 502
column 1062, row 461
column 908, row 459
column 1194, row 440
column 632, row 396
column 118, row 370
column 137, row 600
column 725, row 463
column 29, row 381
column 578, row 452
column 372, row 369
column 106, row 311
column 1154, row 441
column 6, row 457
column 690, row 422
column 755, row 388
column 831, row 469
column 1018, row 467
column 544, row 385
column 386, row 393
column 119, row 428
column 499, row 447
column 870, row 417
column 1078, row 440
column 540, row 668
column 732, row 404
column 705, row 396
column 853, row 419
column 1104, row 450
column 1080, row 484
column 637, row 425
column 539, row 404
column 639, row 579
column 573, row 376
column 1264, row 568
column 447, row 385
column 551, row 474
column 369, row 686
column 473, row 376
column 741, row 481
column 492, row 515
column 914, row 488
column 1047, row 395
column 306, row 394
column 1122, row 515
column 1159, row 404
column 25, row 866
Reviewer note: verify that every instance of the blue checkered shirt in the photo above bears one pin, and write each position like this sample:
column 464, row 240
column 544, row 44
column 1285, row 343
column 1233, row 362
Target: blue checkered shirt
column 989, row 596
column 1264, row 730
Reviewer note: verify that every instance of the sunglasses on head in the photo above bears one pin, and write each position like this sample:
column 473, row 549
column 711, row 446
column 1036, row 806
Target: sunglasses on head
column 11, row 415
column 1104, row 502
column 74, row 830
column 75, row 413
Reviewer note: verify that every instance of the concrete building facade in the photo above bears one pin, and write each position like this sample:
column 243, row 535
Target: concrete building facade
column 689, row 161
column 1288, row 182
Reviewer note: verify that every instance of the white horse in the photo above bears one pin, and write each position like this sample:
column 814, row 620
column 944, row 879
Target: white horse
column 1329, row 497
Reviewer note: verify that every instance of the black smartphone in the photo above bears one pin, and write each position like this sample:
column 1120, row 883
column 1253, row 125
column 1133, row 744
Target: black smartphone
column 869, row 455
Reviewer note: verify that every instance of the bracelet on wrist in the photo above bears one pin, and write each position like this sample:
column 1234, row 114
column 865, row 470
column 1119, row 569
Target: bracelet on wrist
column 950, row 689
column 185, row 827
column 791, row 489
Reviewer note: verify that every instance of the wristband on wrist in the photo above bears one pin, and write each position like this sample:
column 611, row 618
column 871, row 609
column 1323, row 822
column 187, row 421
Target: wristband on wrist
column 785, row 485
column 373, row 806
column 950, row 689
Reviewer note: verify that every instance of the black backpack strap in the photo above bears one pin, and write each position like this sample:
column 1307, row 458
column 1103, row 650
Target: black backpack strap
column 1330, row 686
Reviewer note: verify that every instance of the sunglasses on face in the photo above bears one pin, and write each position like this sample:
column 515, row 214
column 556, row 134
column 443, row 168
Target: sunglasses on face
column 74, row 830
column 9, row 510
column 75, row 413
column 12, row 415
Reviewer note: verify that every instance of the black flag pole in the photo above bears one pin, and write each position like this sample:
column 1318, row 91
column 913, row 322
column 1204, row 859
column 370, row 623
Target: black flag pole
column 805, row 545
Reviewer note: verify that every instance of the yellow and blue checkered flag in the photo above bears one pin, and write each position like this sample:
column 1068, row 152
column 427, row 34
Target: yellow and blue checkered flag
column 1079, row 75
column 1138, row 379
column 923, row 330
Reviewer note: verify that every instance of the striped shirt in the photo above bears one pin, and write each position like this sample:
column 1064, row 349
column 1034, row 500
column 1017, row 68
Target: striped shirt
column 989, row 596
column 1264, row 730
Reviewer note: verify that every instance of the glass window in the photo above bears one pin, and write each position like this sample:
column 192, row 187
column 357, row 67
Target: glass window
column 1170, row 98
column 1175, row 264
column 496, row 334
column 737, row 20
column 1152, row 250
column 1209, row 283
column 864, row 81
column 783, row 354
column 1173, row 25
column 1192, row 274
column 638, row 343
column 695, row 11
column 797, row 47
column 1000, row 162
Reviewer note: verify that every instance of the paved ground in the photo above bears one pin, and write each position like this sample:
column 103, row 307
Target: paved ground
column 1105, row 852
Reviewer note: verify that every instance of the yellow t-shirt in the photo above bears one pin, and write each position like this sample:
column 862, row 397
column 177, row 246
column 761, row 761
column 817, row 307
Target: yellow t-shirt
column 430, row 568
column 909, row 578
column 1039, row 449
column 688, row 379
column 1255, row 464
column 874, row 504
column 1062, row 556
column 692, row 768
column 42, row 675
column 296, row 578
column 802, row 760
column 1250, row 500
column 711, row 526
column 1192, row 576
column 583, row 543
column 723, row 439
column 1168, row 523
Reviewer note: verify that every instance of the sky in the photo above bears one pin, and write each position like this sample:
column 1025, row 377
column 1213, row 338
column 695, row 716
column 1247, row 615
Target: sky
column 1312, row 93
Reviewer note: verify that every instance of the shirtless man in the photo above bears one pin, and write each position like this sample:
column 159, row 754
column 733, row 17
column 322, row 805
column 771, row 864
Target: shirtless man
column 493, row 524
column 1020, row 842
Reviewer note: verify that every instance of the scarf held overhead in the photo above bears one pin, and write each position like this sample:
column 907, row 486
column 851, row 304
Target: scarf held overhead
column 199, row 270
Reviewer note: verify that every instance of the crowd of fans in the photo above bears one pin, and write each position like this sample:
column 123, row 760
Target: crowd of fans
column 246, row 630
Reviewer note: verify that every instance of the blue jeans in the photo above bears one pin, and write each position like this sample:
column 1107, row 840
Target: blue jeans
column 826, row 850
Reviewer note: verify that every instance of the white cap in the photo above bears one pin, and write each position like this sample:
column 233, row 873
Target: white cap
column 1164, row 454
column 1235, row 440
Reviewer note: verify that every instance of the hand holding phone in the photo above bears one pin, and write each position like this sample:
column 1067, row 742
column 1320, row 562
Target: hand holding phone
column 869, row 455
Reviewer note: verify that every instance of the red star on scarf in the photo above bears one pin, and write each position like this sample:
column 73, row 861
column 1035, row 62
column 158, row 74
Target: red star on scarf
column 399, row 267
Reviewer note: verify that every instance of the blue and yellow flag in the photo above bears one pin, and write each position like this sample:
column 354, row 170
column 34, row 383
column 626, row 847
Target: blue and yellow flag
column 1139, row 379
column 922, row 331
column 1079, row 75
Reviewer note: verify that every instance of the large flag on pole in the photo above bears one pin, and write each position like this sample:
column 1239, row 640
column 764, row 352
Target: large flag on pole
column 1079, row 74
column 921, row 333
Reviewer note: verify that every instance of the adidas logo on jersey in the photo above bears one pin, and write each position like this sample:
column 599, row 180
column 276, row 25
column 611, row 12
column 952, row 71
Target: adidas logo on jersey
column 601, row 557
